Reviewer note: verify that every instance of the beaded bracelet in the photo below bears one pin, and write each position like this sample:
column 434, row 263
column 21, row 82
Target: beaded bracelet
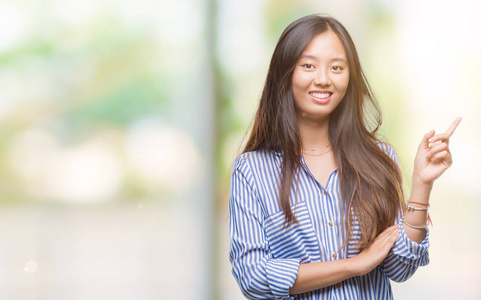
column 410, row 208
column 417, row 227
column 425, row 204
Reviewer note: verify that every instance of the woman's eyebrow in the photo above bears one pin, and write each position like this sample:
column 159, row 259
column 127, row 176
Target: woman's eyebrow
column 342, row 59
column 309, row 56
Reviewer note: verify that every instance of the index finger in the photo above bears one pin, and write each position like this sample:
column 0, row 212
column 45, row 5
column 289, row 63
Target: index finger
column 453, row 126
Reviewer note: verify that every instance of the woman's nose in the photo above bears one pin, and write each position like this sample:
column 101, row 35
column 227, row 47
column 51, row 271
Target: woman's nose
column 322, row 78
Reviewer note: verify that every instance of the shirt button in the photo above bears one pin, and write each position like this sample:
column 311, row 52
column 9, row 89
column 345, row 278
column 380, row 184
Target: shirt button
column 325, row 193
column 334, row 255
column 330, row 223
column 338, row 285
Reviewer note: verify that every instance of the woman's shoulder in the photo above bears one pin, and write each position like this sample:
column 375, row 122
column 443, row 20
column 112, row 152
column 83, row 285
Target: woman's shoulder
column 385, row 146
column 256, row 159
column 388, row 149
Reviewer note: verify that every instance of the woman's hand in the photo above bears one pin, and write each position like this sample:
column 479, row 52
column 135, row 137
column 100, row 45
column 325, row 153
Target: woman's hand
column 433, row 156
column 373, row 255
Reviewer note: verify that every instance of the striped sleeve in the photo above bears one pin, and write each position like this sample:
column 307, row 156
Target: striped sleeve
column 259, row 275
column 389, row 150
column 406, row 256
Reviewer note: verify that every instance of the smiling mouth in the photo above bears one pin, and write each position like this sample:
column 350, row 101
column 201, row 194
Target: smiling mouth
column 320, row 96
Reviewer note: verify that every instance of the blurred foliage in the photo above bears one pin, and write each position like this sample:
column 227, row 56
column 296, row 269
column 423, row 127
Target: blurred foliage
column 123, row 105
column 74, row 82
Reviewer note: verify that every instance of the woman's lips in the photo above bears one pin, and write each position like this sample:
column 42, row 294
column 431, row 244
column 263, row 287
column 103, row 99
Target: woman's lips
column 321, row 97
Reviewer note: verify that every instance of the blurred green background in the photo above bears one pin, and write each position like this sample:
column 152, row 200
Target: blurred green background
column 120, row 120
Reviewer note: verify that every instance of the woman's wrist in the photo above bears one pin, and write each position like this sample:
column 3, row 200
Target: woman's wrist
column 353, row 266
column 356, row 266
column 420, row 184
column 420, row 190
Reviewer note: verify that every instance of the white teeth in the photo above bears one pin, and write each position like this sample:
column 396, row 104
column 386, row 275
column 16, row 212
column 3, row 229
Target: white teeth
column 320, row 95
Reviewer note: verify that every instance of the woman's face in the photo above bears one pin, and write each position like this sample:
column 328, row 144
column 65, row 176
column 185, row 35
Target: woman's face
column 320, row 78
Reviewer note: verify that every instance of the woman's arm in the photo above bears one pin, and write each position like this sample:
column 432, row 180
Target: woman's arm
column 258, row 274
column 432, row 159
column 313, row 276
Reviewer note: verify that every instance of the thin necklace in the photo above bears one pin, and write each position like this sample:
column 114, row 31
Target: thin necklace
column 305, row 151
column 319, row 154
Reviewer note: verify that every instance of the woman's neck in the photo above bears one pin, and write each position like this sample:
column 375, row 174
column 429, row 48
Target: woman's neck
column 314, row 135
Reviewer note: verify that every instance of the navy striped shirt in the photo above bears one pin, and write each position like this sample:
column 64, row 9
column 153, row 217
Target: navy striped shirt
column 265, row 256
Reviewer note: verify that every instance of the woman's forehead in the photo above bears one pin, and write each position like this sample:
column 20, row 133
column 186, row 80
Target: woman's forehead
column 326, row 45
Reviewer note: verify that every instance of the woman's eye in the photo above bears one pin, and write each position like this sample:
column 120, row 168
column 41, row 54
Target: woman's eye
column 308, row 66
column 337, row 68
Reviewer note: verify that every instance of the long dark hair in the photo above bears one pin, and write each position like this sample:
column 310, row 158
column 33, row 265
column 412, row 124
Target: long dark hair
column 370, row 182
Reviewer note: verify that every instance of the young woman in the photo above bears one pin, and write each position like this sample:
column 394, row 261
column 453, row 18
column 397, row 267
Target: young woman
column 316, row 204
